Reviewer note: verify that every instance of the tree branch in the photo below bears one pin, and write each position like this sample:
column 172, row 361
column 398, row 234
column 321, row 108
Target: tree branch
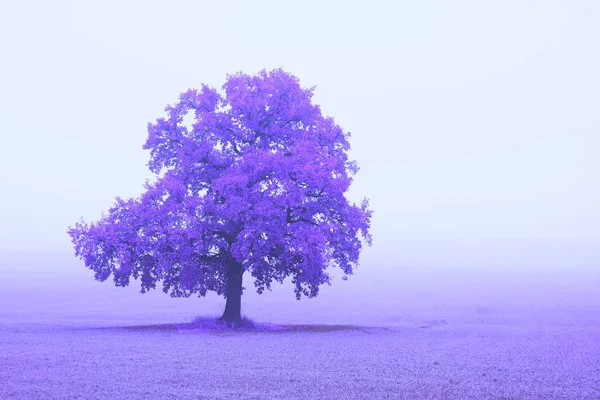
column 292, row 220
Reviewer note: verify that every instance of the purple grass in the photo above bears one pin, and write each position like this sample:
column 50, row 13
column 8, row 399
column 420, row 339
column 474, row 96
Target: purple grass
column 421, row 334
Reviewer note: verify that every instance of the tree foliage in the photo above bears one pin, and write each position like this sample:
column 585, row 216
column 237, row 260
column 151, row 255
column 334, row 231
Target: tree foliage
column 259, row 178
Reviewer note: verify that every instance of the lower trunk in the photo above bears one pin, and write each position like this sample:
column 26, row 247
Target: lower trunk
column 233, row 306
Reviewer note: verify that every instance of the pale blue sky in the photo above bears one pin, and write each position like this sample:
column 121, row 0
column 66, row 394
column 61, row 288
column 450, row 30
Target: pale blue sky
column 470, row 119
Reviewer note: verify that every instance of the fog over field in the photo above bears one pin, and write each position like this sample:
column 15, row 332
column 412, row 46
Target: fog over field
column 532, row 285
column 475, row 125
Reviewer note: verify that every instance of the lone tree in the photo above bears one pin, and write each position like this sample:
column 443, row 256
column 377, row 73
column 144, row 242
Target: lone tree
column 255, row 184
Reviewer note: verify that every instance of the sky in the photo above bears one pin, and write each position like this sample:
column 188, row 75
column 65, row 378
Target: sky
column 471, row 121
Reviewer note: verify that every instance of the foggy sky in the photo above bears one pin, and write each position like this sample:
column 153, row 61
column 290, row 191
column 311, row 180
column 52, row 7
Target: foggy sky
column 470, row 120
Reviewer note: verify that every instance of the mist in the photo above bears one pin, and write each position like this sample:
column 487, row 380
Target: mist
column 463, row 130
column 475, row 126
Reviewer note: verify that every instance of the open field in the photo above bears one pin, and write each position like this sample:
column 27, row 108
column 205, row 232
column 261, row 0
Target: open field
column 426, row 333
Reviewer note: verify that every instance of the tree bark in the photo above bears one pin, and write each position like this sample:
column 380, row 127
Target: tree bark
column 233, row 306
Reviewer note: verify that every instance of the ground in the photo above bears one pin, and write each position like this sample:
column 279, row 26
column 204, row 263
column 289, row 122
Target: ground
column 432, row 335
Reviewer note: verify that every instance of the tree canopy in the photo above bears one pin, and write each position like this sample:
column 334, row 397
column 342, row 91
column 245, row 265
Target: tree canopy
column 258, row 180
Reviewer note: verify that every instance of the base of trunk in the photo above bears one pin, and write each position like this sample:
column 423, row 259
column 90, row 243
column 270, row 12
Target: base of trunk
column 231, row 321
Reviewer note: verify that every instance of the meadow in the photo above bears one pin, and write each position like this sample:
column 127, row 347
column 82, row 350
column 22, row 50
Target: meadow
column 410, row 331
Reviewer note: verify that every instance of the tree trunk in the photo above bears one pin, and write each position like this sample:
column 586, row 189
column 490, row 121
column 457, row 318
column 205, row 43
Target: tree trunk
column 233, row 306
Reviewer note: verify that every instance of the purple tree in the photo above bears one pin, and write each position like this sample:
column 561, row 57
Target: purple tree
column 255, row 185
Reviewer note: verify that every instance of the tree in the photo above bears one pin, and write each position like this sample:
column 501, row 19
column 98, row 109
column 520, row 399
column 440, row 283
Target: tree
column 256, row 184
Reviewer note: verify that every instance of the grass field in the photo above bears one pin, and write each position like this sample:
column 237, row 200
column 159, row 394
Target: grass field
column 426, row 333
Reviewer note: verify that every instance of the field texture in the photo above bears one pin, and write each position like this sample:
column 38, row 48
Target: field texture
column 426, row 333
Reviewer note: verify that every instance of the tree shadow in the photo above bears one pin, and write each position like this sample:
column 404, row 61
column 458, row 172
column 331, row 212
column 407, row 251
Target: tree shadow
column 211, row 325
